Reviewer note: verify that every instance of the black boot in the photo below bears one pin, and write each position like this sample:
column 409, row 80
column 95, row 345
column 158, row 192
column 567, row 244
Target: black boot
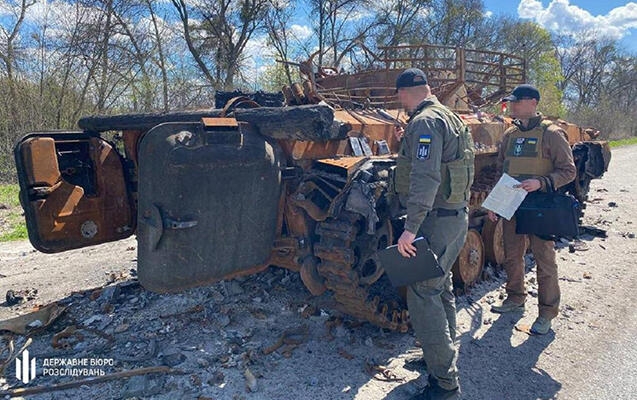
column 435, row 392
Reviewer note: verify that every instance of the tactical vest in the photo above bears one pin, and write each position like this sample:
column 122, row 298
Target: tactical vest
column 523, row 158
column 456, row 176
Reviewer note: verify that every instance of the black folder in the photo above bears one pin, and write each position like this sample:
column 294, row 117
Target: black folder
column 403, row 271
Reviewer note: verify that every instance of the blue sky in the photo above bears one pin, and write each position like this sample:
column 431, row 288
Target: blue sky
column 617, row 19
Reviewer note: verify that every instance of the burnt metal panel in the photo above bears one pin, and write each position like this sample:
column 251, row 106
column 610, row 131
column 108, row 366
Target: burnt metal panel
column 73, row 190
column 208, row 202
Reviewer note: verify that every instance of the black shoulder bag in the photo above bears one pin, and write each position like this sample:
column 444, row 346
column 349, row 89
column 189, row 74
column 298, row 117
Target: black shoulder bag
column 548, row 214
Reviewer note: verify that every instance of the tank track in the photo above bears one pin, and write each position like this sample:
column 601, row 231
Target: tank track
column 339, row 266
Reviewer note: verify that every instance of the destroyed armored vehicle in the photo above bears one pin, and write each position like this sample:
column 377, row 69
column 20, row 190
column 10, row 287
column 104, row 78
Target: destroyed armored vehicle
column 220, row 193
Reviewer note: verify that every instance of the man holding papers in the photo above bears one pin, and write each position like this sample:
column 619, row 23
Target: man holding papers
column 536, row 153
column 433, row 176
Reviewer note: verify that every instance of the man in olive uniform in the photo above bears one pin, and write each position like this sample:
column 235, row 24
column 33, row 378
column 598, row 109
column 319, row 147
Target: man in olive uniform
column 537, row 153
column 433, row 176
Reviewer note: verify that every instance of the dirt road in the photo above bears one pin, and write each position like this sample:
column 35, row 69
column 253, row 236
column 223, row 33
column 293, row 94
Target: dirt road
column 220, row 340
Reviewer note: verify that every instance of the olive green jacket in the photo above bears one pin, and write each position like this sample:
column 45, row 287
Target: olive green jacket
column 429, row 140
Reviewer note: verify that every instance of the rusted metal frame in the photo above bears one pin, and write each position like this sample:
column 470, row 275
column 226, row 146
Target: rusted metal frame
column 462, row 60
column 490, row 83
column 373, row 116
column 285, row 254
column 344, row 281
column 428, row 60
column 313, row 210
column 300, row 258
column 295, row 220
column 359, row 119
column 131, row 141
column 373, row 100
column 341, row 193
column 495, row 53
column 327, row 94
column 449, row 48
column 357, row 87
column 349, row 164
column 221, row 121
column 334, row 176
column 494, row 71
column 321, row 190
column 346, row 95
column 497, row 63
column 488, row 74
column 513, row 74
column 382, row 102
column 339, row 198
column 315, row 174
column 443, row 82
column 417, row 46
column 502, row 74
column 461, row 64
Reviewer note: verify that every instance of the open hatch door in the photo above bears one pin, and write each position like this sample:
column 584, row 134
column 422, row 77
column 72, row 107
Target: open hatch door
column 73, row 190
column 208, row 203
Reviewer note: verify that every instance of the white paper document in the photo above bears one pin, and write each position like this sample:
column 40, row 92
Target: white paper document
column 504, row 198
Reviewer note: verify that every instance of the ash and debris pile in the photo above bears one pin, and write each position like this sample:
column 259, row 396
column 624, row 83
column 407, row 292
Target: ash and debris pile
column 221, row 341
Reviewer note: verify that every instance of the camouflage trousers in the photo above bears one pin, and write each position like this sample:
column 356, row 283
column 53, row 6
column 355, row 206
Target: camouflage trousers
column 432, row 305
column 547, row 279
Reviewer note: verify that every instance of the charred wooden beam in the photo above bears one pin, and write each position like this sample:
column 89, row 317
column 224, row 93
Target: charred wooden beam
column 141, row 122
column 307, row 122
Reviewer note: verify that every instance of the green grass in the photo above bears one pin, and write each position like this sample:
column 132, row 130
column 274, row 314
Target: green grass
column 623, row 142
column 19, row 232
column 14, row 226
column 9, row 195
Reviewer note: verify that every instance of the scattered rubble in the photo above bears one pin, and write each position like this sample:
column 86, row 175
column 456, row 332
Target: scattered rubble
column 236, row 339
column 14, row 297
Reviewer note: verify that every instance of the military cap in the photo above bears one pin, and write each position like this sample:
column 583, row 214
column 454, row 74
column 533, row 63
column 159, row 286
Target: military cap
column 410, row 77
column 522, row 92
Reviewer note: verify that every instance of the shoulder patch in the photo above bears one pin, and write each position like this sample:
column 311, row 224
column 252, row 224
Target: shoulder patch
column 424, row 139
column 424, row 142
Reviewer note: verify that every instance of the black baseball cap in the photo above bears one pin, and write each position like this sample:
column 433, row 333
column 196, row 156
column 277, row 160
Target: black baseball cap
column 522, row 92
column 410, row 77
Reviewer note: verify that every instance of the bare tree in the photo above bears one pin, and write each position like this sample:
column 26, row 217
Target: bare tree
column 218, row 42
column 340, row 26
column 600, row 83
column 586, row 64
column 401, row 21
column 276, row 22
column 454, row 22
column 160, row 59
column 9, row 37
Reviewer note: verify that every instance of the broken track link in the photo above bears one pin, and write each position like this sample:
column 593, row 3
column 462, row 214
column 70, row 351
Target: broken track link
column 337, row 237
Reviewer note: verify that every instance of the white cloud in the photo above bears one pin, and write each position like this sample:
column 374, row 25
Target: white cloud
column 624, row 16
column 488, row 14
column 6, row 10
column 301, row 32
column 256, row 53
column 563, row 17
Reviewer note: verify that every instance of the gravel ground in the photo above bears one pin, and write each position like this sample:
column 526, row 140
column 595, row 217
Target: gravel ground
column 218, row 342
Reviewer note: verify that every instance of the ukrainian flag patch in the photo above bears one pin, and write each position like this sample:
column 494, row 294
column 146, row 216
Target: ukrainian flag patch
column 532, row 141
column 424, row 141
